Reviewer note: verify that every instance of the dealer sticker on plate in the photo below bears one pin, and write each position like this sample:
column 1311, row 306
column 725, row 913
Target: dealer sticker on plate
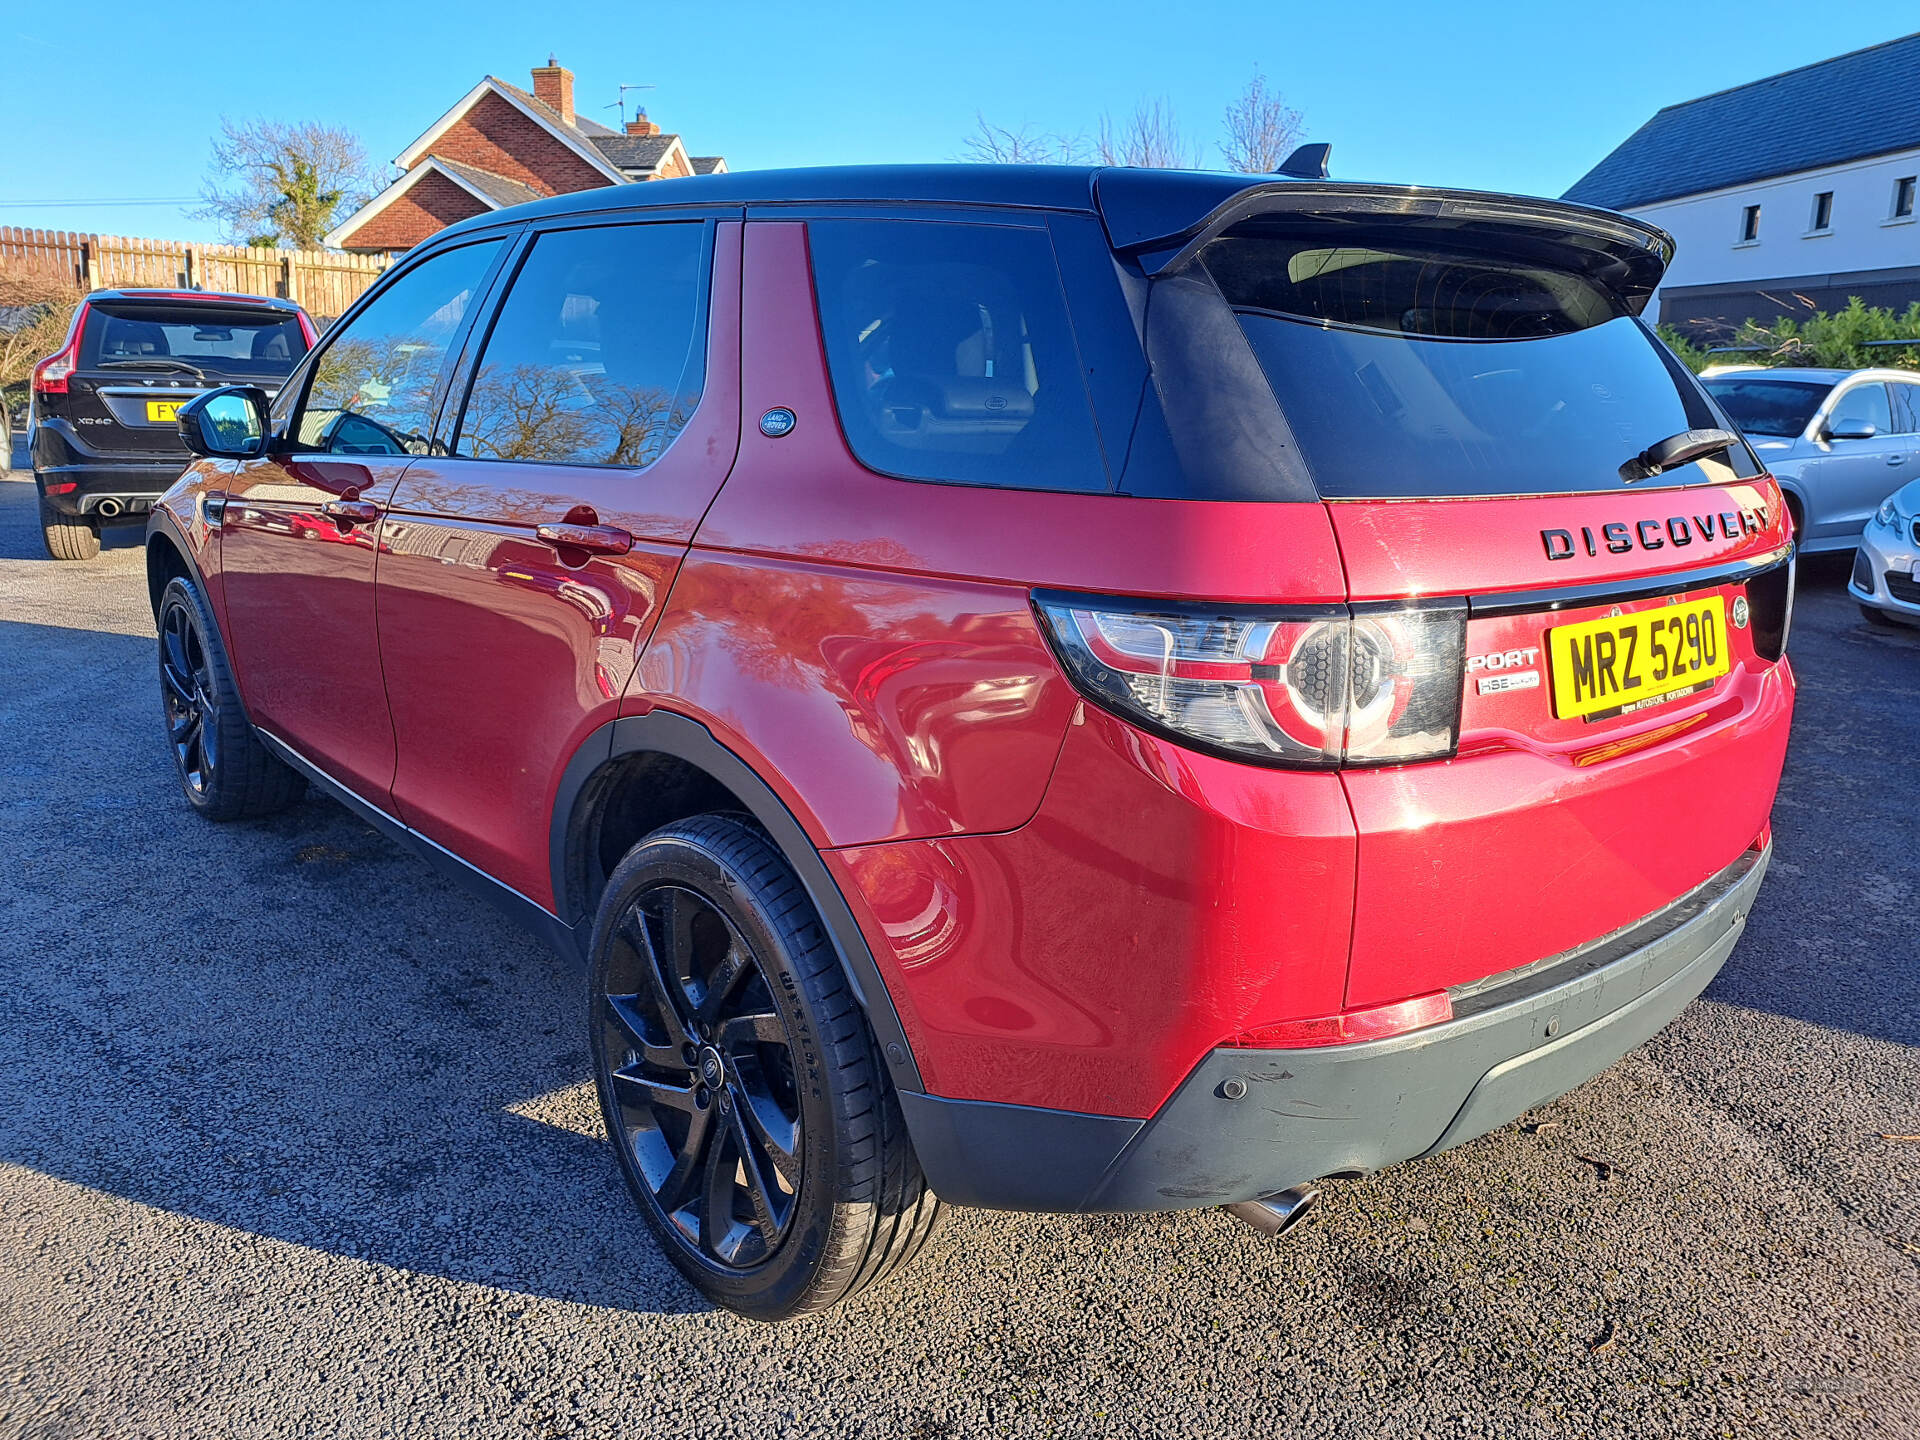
column 1623, row 663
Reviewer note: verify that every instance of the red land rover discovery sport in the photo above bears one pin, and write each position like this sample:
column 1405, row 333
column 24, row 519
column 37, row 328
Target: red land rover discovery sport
column 1044, row 688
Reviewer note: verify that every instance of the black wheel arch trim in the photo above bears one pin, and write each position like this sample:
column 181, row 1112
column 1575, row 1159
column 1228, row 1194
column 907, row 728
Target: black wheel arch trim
column 669, row 733
column 161, row 526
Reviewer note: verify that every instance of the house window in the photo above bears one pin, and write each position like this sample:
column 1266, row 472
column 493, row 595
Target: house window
column 1903, row 198
column 1750, row 225
column 1822, row 211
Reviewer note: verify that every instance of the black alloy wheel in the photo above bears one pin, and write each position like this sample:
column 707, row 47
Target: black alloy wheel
column 701, row 1076
column 225, row 770
column 186, row 692
column 742, row 1088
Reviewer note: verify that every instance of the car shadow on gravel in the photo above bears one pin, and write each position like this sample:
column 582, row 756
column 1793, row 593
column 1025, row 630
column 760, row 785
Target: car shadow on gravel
column 290, row 1028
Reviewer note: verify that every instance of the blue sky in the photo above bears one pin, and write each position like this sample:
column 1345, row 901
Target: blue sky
column 116, row 101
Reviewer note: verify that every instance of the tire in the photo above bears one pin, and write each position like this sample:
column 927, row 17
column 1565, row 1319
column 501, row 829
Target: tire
column 1880, row 618
column 67, row 537
column 224, row 770
column 748, row 1045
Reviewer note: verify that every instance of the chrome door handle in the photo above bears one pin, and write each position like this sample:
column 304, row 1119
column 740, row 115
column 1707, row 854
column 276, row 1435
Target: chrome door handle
column 594, row 539
column 351, row 512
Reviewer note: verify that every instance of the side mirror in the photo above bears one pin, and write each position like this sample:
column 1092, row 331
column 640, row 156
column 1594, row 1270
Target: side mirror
column 1851, row 430
column 229, row 423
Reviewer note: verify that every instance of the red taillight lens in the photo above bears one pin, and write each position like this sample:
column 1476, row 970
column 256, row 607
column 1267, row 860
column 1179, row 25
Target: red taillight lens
column 1349, row 1026
column 50, row 375
column 1320, row 686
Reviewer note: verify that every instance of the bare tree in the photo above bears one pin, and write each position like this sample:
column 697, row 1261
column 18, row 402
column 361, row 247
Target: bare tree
column 36, row 306
column 1151, row 139
column 1261, row 129
column 272, row 183
column 1259, row 132
column 998, row 145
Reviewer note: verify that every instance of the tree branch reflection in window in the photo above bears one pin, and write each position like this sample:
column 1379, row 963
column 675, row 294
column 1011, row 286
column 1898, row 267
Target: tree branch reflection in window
column 598, row 355
column 373, row 385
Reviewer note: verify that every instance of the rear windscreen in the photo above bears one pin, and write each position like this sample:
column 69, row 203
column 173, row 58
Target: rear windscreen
column 1768, row 407
column 243, row 345
column 1417, row 361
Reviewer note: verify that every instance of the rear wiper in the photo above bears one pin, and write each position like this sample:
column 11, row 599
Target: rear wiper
column 1674, row 451
column 157, row 363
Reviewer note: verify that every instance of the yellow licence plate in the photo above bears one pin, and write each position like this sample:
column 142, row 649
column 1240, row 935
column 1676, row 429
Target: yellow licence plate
column 159, row 412
column 1628, row 662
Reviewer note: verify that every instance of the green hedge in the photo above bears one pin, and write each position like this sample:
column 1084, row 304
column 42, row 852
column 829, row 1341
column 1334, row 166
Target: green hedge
column 1839, row 342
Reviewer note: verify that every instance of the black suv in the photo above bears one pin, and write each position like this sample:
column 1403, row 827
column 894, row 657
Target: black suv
column 101, row 428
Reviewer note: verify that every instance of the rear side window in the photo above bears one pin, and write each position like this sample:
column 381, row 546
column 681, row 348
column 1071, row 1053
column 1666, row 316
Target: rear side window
column 1431, row 361
column 251, row 345
column 598, row 352
column 951, row 354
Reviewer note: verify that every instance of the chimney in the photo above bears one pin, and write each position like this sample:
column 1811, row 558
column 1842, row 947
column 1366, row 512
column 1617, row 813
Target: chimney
column 553, row 88
column 641, row 125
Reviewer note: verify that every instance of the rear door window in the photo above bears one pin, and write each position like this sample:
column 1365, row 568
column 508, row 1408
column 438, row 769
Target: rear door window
column 951, row 354
column 598, row 352
column 258, row 346
column 1437, row 364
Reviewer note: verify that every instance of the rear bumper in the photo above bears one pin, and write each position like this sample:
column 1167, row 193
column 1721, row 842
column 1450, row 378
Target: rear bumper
column 75, row 478
column 1515, row 1042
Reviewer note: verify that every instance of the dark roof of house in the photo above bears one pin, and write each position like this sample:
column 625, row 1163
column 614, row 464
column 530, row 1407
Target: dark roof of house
column 497, row 188
column 706, row 164
column 1863, row 103
column 635, row 153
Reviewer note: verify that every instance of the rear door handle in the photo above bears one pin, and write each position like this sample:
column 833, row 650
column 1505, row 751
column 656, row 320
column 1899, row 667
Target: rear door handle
column 351, row 512
column 594, row 539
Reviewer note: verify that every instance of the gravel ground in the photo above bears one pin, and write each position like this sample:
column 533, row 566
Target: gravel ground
column 296, row 1140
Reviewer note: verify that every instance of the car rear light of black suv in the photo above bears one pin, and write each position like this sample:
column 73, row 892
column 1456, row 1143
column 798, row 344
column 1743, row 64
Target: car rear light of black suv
column 51, row 374
column 1316, row 686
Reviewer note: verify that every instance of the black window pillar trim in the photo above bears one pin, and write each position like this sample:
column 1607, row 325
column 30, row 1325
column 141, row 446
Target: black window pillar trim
column 665, row 732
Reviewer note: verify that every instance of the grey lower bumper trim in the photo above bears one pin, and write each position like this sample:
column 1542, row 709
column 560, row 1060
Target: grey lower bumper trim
column 1357, row 1108
column 1516, row 1041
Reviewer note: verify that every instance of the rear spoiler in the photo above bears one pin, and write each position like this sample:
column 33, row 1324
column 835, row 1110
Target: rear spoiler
column 1161, row 220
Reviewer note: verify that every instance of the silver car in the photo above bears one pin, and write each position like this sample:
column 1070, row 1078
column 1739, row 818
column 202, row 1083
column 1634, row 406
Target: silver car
column 1886, row 567
column 1838, row 440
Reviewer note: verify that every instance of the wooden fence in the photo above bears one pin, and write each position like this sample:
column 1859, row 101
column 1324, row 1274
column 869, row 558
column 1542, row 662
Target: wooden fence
column 324, row 282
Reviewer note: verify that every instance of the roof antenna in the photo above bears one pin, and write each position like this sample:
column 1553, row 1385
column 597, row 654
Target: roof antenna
column 1309, row 162
column 621, row 104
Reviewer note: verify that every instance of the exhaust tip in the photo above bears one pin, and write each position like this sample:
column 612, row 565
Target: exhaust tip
column 108, row 507
column 1276, row 1214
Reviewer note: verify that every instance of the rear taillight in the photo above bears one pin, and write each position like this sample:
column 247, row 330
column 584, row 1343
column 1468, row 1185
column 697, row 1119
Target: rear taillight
column 1319, row 686
column 50, row 375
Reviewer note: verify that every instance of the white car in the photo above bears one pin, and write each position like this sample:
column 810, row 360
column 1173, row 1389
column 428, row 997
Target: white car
column 1884, row 580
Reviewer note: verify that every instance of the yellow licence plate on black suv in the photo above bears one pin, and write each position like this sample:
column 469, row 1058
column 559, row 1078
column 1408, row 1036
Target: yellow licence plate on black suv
column 1628, row 662
column 159, row 412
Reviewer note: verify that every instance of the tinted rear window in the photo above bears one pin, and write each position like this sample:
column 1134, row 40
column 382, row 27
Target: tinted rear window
column 1768, row 407
column 236, row 344
column 951, row 354
column 1415, row 364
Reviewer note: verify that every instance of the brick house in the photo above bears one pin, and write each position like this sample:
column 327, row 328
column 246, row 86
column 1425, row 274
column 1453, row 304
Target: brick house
column 501, row 146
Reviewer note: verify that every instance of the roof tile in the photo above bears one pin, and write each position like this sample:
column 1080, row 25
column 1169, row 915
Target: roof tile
column 1847, row 108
